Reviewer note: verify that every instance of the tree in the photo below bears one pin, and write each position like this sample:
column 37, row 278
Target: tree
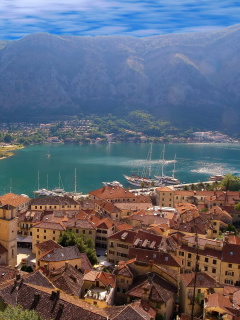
column 231, row 182
column 8, row 138
column 231, row 228
column 237, row 206
column 18, row 313
column 69, row 238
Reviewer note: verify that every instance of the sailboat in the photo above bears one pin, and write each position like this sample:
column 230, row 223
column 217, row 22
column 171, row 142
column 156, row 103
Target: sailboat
column 74, row 193
column 41, row 192
column 144, row 180
column 58, row 189
column 168, row 180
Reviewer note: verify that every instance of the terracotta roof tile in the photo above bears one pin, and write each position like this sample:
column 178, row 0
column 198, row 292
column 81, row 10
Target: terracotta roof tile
column 203, row 280
column 47, row 245
column 62, row 254
column 112, row 193
column 13, row 199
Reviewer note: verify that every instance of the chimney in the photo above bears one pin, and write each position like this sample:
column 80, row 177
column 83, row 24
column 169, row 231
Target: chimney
column 45, row 268
column 66, row 265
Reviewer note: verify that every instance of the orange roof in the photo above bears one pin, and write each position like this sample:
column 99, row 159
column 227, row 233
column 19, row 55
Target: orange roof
column 13, row 199
column 112, row 193
column 105, row 223
column 123, row 226
column 162, row 189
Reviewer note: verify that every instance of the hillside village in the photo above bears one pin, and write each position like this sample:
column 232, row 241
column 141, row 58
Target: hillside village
column 173, row 254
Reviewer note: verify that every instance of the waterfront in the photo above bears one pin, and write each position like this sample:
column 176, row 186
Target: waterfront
column 98, row 162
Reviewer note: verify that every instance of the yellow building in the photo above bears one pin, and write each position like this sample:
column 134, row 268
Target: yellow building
column 8, row 235
column 54, row 203
column 43, row 231
column 219, row 259
column 98, row 288
column 58, row 257
column 204, row 285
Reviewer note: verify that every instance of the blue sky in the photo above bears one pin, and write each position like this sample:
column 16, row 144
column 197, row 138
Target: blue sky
column 120, row 17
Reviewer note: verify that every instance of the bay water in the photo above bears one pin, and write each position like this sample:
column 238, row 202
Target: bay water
column 96, row 163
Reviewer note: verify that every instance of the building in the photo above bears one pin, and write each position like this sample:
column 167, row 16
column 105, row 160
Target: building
column 21, row 203
column 8, row 235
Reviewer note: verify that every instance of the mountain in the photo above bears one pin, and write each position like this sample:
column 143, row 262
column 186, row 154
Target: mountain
column 189, row 79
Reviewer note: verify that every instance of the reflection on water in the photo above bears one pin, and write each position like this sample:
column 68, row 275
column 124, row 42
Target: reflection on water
column 97, row 163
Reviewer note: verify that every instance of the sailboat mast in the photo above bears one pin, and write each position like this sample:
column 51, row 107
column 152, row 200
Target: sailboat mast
column 10, row 185
column 174, row 166
column 47, row 181
column 75, row 181
column 59, row 180
column 150, row 162
column 38, row 180
column 163, row 160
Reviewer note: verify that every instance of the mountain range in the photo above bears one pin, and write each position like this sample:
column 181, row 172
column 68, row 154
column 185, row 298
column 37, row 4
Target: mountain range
column 191, row 80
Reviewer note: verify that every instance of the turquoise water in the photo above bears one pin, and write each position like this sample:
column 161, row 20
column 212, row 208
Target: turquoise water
column 96, row 163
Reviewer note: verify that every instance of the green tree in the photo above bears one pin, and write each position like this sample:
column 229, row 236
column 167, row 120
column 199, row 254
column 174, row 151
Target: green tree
column 8, row 138
column 231, row 182
column 18, row 313
column 69, row 238
column 237, row 206
column 231, row 228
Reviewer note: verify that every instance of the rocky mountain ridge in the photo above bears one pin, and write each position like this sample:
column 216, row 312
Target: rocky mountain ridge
column 189, row 79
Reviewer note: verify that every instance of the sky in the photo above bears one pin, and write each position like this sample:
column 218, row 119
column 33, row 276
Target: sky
column 140, row 18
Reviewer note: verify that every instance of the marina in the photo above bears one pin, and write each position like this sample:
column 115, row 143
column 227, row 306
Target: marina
column 103, row 163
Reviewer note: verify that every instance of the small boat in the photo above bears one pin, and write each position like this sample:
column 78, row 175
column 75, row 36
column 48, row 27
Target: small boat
column 217, row 177
column 112, row 184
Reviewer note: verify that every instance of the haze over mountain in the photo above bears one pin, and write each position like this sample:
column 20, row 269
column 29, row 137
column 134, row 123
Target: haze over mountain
column 189, row 79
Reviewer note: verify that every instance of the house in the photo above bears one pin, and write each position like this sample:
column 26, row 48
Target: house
column 57, row 257
column 204, row 285
column 98, row 288
column 21, row 203
column 112, row 194
column 68, row 279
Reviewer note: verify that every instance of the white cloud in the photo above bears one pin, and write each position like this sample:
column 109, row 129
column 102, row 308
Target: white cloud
column 139, row 18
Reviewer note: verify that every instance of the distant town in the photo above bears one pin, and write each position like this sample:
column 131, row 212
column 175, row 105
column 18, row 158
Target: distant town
column 118, row 254
column 93, row 131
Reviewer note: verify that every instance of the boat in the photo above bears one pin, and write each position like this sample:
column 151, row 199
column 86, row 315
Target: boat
column 167, row 180
column 58, row 190
column 112, row 184
column 144, row 180
column 74, row 193
column 217, row 177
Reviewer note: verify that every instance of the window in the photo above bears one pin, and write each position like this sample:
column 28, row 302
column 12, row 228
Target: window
column 44, row 237
column 54, row 238
column 206, row 259
column 83, row 231
column 199, row 291
column 189, row 264
column 228, row 281
column 181, row 253
column 37, row 236
column 229, row 265
column 205, row 268
column 53, row 231
column 122, row 280
column 214, row 223
column 37, row 230
column 90, row 232
column 214, row 261
column 118, row 289
column 213, row 270
column 44, row 231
